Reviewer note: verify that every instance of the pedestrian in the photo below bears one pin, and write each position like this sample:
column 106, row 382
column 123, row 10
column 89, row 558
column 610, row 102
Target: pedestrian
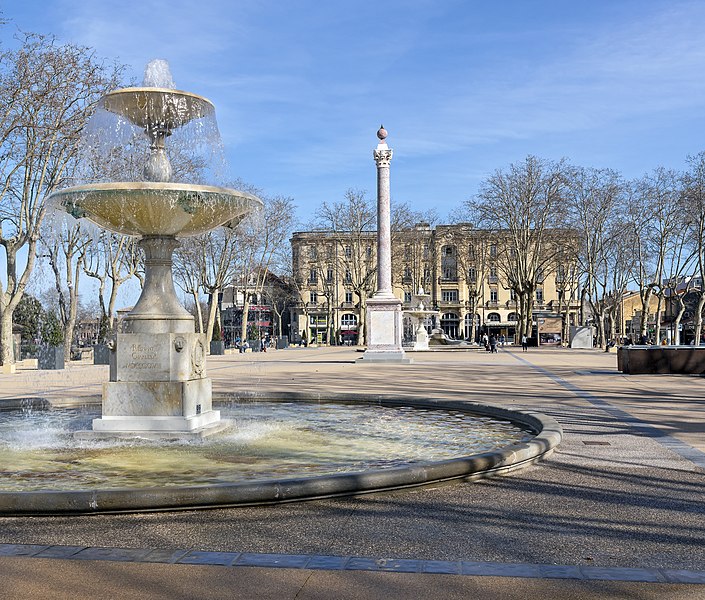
column 485, row 341
column 502, row 340
column 493, row 344
column 524, row 343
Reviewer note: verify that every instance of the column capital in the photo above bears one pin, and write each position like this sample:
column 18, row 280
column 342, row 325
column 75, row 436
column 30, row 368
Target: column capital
column 383, row 156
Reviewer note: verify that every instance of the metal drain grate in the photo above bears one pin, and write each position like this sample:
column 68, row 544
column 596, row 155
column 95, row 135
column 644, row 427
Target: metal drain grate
column 596, row 443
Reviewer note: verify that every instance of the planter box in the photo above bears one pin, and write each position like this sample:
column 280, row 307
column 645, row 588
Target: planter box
column 685, row 360
column 51, row 357
column 101, row 354
column 217, row 347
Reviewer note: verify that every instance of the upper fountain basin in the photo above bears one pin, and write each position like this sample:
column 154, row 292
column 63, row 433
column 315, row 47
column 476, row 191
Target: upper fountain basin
column 155, row 208
column 146, row 106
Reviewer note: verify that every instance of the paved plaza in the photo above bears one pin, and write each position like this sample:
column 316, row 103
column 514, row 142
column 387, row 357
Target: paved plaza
column 616, row 512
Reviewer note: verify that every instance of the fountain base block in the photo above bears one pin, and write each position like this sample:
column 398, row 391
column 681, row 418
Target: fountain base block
column 155, row 428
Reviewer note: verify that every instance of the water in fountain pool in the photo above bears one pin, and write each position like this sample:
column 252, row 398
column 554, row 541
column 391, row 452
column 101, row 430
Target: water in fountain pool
column 267, row 440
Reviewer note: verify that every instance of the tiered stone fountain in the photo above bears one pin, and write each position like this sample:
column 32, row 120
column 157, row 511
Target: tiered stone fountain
column 158, row 385
column 418, row 314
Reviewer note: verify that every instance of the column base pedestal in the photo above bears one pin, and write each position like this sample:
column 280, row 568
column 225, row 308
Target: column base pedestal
column 384, row 326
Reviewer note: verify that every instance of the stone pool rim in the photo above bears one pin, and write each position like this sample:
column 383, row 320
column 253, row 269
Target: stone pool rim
column 547, row 435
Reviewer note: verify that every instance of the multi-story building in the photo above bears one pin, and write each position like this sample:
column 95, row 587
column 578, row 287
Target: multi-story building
column 464, row 270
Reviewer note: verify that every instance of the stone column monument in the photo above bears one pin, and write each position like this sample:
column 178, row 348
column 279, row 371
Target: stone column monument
column 384, row 315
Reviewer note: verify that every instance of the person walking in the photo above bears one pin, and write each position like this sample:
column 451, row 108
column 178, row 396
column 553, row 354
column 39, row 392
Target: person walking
column 524, row 344
column 493, row 344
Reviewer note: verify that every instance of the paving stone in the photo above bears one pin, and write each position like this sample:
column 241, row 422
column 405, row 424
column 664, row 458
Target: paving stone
column 59, row 552
column 165, row 556
column 209, row 558
column 332, row 563
column 292, row 561
column 499, row 569
column 362, row 564
column 622, row 574
column 683, row 576
column 446, row 567
column 560, row 571
column 117, row 554
column 20, row 549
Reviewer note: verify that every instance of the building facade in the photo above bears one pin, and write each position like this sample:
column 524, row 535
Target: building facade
column 463, row 270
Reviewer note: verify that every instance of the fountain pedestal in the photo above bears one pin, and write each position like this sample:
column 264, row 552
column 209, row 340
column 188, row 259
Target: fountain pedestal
column 158, row 386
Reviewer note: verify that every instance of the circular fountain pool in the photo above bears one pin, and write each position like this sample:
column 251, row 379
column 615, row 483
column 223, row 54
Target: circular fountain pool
column 273, row 452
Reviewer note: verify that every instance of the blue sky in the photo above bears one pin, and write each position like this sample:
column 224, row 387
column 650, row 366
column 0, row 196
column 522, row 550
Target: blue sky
column 463, row 87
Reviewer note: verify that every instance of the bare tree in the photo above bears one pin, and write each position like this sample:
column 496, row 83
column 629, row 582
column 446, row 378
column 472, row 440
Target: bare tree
column 66, row 249
column 188, row 271
column 694, row 199
column 263, row 237
column 112, row 259
column 522, row 209
column 596, row 202
column 472, row 259
column 655, row 212
column 352, row 223
column 47, row 92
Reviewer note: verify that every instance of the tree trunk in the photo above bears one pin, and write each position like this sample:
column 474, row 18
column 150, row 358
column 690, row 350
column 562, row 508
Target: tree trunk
column 212, row 309
column 6, row 347
column 362, row 327
column 677, row 322
column 645, row 301
column 199, row 312
column 699, row 318
column 657, row 329
column 246, row 317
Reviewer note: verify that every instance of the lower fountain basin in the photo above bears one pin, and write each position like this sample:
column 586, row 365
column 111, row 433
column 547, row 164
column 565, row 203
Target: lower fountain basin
column 301, row 448
column 154, row 208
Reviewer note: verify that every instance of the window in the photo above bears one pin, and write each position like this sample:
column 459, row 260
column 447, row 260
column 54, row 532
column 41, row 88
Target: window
column 426, row 275
column 348, row 320
column 407, row 272
column 539, row 275
column 450, row 323
column 313, row 276
column 348, row 276
column 448, row 250
column 469, row 324
column 425, row 251
column 407, row 297
column 329, row 276
column 313, row 297
column 407, row 252
column 493, row 250
column 329, row 251
column 493, row 318
column 472, row 274
column 348, row 252
column 348, row 296
column 312, row 252
column 471, row 252
column 539, row 295
column 494, row 296
column 369, row 251
column 449, row 295
column 512, row 295
column 512, row 317
column 493, row 274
